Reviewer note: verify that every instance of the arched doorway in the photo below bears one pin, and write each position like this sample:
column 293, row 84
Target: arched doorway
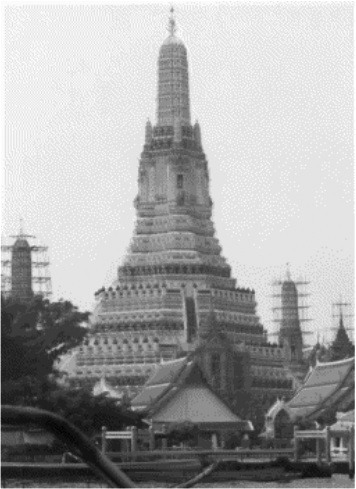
column 283, row 426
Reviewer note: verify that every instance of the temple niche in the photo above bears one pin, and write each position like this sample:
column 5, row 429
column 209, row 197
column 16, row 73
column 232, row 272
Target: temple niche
column 278, row 430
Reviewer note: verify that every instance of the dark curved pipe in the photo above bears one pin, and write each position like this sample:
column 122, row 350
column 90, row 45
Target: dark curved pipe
column 69, row 434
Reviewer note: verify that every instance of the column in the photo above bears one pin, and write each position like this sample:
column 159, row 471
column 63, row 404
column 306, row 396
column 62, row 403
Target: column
column 151, row 438
column 327, row 445
column 214, row 441
column 318, row 450
column 351, row 454
column 332, row 445
column 103, row 439
column 133, row 441
column 295, row 444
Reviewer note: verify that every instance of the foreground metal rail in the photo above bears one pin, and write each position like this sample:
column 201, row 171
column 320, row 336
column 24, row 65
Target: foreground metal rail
column 69, row 434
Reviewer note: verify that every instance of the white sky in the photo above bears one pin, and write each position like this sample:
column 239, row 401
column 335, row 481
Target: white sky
column 271, row 85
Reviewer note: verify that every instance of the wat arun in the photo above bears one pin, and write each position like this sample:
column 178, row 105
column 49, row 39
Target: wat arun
column 174, row 277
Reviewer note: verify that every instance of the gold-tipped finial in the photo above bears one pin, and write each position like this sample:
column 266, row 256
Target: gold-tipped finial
column 172, row 28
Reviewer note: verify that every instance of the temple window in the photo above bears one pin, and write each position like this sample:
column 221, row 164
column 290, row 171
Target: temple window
column 179, row 181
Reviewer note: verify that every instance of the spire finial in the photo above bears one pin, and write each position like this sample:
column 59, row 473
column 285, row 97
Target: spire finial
column 288, row 272
column 21, row 226
column 172, row 28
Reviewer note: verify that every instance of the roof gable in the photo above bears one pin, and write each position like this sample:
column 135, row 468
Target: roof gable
column 167, row 376
column 197, row 404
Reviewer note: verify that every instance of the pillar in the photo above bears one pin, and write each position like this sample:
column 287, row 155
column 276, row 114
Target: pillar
column 151, row 438
column 332, row 444
column 351, row 454
column 295, row 444
column 222, row 439
column 214, row 441
column 103, row 439
column 327, row 445
column 318, row 450
column 134, row 439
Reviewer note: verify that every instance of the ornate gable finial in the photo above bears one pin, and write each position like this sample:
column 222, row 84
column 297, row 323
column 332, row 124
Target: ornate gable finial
column 172, row 28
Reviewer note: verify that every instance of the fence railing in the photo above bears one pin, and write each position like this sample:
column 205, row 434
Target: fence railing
column 219, row 454
column 70, row 435
column 324, row 445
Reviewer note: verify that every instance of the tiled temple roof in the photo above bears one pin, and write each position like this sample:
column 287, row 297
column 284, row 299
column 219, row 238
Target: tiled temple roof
column 198, row 404
column 149, row 395
column 327, row 385
column 167, row 372
column 177, row 392
column 161, row 384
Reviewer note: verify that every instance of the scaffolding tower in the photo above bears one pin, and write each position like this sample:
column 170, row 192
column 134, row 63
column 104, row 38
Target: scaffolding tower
column 25, row 268
column 289, row 308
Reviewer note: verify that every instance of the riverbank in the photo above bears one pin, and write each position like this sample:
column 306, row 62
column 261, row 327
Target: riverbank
column 337, row 481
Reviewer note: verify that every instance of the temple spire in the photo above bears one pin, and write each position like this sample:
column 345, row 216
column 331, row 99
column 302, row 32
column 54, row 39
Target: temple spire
column 173, row 106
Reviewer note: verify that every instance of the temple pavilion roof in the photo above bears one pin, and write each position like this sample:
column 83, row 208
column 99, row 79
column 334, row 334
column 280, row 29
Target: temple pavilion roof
column 177, row 392
column 163, row 381
column 328, row 385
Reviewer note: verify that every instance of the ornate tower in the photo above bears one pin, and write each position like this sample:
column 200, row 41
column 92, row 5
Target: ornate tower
column 21, row 270
column 174, row 269
column 342, row 346
column 288, row 315
column 290, row 333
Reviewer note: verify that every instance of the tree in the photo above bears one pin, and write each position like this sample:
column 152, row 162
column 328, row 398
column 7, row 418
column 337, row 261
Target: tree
column 88, row 412
column 183, row 432
column 35, row 335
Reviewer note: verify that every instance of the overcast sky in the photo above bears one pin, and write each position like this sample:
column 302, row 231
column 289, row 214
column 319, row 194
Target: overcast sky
column 271, row 85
